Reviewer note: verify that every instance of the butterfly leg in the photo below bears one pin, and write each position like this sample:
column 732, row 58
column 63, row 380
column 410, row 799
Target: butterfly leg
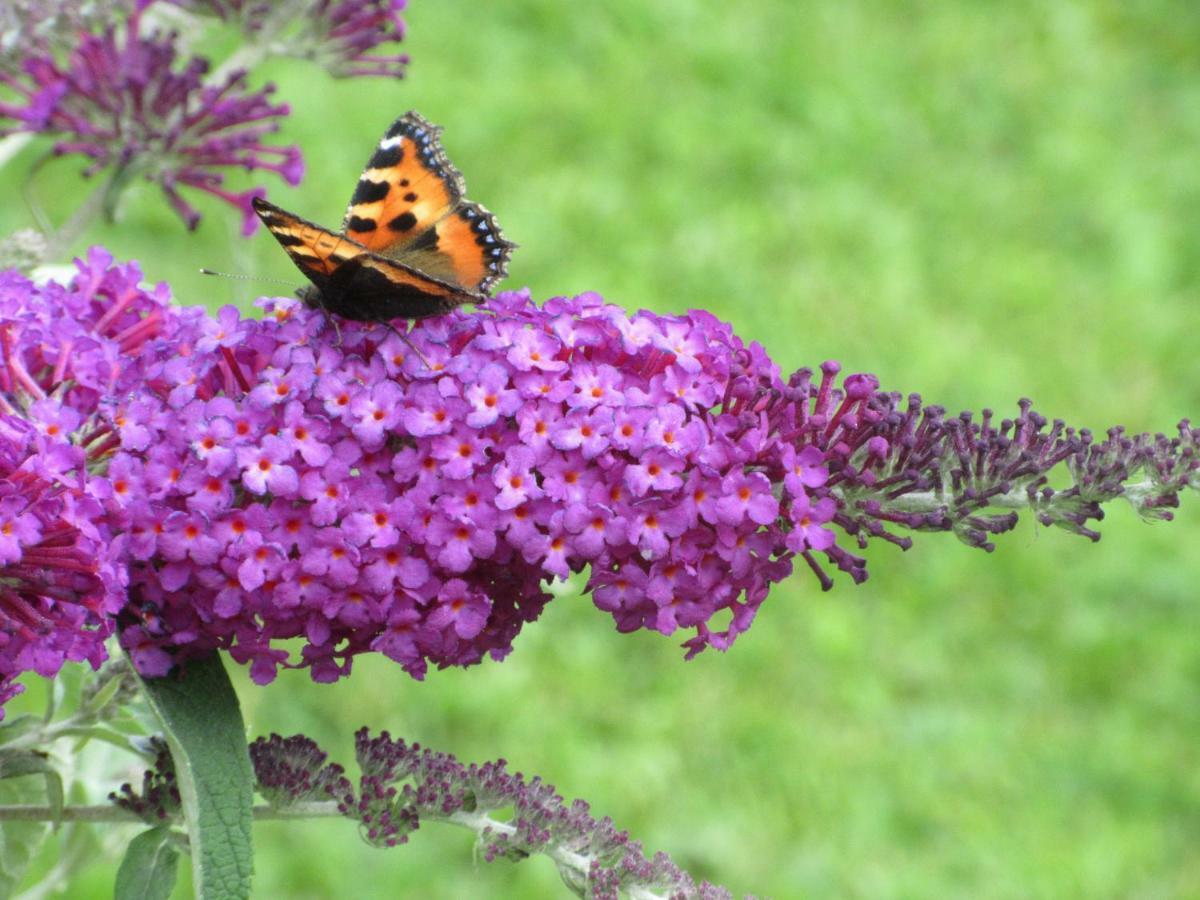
column 314, row 299
column 411, row 346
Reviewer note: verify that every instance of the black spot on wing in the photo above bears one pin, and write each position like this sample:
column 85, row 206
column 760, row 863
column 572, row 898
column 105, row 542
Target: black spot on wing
column 410, row 197
column 386, row 157
column 357, row 223
column 403, row 222
column 369, row 191
column 288, row 240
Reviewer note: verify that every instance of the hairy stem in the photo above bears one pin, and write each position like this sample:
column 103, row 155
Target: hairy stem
column 105, row 812
column 577, row 863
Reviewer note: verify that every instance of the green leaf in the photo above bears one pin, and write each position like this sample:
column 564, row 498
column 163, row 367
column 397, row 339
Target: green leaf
column 19, row 841
column 88, row 733
column 15, row 763
column 18, row 763
column 150, row 867
column 18, row 726
column 64, row 690
column 111, row 680
column 203, row 726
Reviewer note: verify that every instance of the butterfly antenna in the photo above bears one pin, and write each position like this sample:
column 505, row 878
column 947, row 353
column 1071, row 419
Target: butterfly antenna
column 241, row 277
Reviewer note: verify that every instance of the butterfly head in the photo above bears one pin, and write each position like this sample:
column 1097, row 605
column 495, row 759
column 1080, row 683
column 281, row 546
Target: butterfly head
column 310, row 295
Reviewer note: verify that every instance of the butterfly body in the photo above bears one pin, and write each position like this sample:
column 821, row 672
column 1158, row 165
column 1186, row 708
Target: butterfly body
column 411, row 245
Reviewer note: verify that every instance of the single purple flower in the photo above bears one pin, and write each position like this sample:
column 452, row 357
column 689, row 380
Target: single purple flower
column 747, row 496
column 808, row 519
column 657, row 470
column 535, row 350
column 804, row 469
column 461, row 453
column 459, row 608
column 490, row 397
column 264, row 468
column 515, row 480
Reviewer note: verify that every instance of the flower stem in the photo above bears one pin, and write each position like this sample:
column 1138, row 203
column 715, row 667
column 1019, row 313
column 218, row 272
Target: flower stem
column 259, row 44
column 12, row 145
column 101, row 201
column 1017, row 498
column 578, row 863
column 106, row 812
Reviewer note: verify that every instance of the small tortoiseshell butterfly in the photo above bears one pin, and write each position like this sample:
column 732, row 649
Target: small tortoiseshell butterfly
column 411, row 245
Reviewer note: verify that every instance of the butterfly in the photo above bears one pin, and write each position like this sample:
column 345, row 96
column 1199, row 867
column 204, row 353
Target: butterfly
column 411, row 244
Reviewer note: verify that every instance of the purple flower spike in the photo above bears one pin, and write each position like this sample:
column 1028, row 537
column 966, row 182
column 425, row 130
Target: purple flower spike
column 264, row 485
column 123, row 99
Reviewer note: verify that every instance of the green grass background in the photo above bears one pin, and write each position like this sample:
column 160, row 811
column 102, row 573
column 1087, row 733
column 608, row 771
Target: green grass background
column 977, row 201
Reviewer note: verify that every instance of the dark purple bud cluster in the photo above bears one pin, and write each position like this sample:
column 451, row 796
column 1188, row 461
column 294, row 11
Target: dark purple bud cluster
column 158, row 800
column 292, row 770
column 896, row 464
column 125, row 100
column 402, row 784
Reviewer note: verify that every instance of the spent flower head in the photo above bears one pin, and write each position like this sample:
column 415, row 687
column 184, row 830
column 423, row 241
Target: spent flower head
column 49, row 26
column 158, row 799
column 126, row 100
column 343, row 36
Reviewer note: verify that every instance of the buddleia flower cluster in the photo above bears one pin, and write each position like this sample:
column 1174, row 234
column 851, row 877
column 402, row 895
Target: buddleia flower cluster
column 65, row 352
column 241, row 484
column 366, row 497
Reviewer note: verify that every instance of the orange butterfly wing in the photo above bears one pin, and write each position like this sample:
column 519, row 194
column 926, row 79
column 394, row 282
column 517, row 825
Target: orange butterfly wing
column 409, row 206
column 316, row 251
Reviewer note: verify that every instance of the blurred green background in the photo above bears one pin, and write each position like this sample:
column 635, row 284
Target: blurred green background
column 978, row 201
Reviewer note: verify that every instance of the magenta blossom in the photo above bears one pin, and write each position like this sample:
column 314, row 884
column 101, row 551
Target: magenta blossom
column 65, row 352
